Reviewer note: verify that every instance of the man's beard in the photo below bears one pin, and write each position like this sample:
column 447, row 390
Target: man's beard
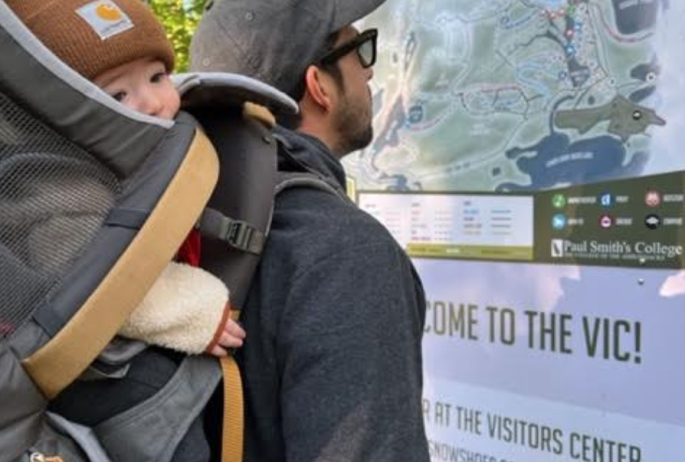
column 354, row 128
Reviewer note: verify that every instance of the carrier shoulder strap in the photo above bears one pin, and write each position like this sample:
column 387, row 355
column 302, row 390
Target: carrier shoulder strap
column 235, row 113
column 273, row 183
column 289, row 180
column 238, row 215
column 298, row 174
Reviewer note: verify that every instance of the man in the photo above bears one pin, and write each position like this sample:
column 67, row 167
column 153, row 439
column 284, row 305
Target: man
column 332, row 360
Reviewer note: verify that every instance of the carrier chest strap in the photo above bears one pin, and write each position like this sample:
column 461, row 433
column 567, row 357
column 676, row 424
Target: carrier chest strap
column 238, row 234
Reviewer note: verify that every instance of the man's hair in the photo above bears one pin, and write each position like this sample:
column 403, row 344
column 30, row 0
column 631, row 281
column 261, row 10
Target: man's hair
column 293, row 121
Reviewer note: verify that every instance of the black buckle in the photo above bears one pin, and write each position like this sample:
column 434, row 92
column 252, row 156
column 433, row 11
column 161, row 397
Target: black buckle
column 240, row 235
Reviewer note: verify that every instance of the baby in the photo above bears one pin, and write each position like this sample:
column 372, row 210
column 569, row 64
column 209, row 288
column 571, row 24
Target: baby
column 120, row 46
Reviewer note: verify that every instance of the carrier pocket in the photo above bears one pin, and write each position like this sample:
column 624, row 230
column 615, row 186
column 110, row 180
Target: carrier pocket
column 60, row 440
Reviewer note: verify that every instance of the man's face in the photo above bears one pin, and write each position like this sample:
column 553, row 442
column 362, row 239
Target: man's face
column 144, row 86
column 352, row 115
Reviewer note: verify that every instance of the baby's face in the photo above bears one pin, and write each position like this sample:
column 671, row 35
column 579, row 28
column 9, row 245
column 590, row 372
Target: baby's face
column 144, row 86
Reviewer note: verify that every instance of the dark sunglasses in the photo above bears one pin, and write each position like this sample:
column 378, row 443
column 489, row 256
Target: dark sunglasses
column 364, row 44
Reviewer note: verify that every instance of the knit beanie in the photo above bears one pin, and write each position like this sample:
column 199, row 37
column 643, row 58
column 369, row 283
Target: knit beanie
column 94, row 36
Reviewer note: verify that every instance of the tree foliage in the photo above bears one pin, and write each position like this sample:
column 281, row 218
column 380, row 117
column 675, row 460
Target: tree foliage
column 180, row 18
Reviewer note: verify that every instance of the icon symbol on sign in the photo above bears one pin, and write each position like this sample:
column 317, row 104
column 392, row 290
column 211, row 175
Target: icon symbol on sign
column 606, row 199
column 559, row 221
column 606, row 221
column 559, row 201
column 653, row 198
column 557, row 248
column 652, row 221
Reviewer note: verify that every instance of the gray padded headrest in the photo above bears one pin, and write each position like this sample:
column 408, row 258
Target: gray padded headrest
column 221, row 88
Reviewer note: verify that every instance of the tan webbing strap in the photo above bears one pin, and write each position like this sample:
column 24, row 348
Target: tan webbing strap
column 260, row 113
column 233, row 422
column 234, row 417
column 69, row 353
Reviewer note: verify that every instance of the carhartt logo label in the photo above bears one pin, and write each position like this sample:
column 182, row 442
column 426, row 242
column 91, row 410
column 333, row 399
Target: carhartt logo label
column 557, row 248
column 107, row 13
column 106, row 18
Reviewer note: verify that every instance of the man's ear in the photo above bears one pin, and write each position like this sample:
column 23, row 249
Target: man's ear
column 318, row 86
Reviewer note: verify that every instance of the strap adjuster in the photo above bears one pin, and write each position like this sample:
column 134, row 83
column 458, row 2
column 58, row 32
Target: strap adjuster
column 238, row 234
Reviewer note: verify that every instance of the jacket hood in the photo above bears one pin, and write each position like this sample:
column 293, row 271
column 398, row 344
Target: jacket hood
column 311, row 155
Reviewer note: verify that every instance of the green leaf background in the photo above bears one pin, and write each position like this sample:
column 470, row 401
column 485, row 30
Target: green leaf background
column 180, row 18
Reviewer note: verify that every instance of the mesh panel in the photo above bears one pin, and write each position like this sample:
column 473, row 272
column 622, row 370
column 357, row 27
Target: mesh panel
column 53, row 200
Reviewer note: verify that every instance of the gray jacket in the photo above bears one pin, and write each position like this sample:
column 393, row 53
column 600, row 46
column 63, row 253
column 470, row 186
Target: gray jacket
column 332, row 362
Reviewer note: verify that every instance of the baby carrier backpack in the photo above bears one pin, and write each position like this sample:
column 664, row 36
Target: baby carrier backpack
column 95, row 200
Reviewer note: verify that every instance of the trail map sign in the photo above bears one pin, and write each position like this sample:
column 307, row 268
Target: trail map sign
column 530, row 156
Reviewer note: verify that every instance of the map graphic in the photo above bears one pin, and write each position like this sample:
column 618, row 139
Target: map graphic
column 529, row 157
column 521, row 95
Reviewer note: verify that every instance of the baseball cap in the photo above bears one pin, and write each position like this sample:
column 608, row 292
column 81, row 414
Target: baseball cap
column 271, row 40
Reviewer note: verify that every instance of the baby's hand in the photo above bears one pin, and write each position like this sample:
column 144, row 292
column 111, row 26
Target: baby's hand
column 230, row 335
